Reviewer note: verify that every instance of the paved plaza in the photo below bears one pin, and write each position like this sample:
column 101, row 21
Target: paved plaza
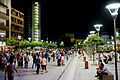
column 74, row 69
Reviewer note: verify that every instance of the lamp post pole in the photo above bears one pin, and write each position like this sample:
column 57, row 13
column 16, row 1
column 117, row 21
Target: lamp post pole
column 92, row 33
column 97, row 27
column 113, row 9
column 29, row 38
column 19, row 37
column 2, row 35
column 115, row 49
column 2, row 42
column 116, row 72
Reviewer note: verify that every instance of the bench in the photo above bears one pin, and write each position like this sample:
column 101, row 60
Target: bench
column 110, row 76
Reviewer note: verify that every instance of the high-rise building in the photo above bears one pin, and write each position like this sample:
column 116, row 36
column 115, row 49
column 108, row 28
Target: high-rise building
column 68, row 40
column 17, row 24
column 5, row 21
column 33, row 21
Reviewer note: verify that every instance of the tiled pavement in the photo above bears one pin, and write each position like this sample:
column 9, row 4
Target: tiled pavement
column 89, row 74
column 74, row 71
column 78, row 71
column 54, row 72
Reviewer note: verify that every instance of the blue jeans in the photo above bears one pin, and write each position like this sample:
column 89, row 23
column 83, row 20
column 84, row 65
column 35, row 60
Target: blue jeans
column 100, row 74
column 38, row 67
column 26, row 64
column 33, row 64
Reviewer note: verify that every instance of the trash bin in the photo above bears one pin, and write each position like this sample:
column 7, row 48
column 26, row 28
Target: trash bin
column 84, row 59
column 86, row 64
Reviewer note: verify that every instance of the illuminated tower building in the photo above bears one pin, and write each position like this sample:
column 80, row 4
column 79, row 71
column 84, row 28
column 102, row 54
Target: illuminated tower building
column 32, row 21
column 36, row 21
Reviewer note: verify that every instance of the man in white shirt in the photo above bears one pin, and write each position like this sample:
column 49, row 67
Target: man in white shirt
column 103, row 71
column 44, row 64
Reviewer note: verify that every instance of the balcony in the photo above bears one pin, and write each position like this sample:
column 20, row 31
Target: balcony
column 4, row 16
column 17, row 31
column 13, row 37
column 14, row 23
column 3, row 39
column 3, row 5
column 2, row 27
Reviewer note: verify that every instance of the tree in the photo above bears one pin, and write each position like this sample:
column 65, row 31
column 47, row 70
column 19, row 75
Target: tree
column 75, row 45
column 33, row 43
column 62, row 44
column 24, row 43
column 52, row 45
column 10, row 42
column 94, row 39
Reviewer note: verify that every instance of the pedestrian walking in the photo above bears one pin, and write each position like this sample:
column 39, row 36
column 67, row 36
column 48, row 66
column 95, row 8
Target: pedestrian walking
column 44, row 64
column 46, row 54
column 34, row 60
column 38, row 64
column 53, row 56
column 10, row 71
column 62, row 60
column 26, row 60
column 59, row 59
column 3, row 63
column 49, row 56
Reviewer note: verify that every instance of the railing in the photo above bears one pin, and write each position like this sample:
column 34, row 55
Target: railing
column 4, row 16
column 2, row 27
column 3, row 4
column 3, row 39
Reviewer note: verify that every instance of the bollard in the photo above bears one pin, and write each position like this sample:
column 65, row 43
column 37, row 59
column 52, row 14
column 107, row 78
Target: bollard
column 84, row 59
column 86, row 64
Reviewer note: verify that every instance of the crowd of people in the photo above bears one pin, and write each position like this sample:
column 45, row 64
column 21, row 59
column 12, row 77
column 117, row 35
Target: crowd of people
column 40, row 58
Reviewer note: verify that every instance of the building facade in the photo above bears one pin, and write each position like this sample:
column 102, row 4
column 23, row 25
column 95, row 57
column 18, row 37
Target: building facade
column 17, row 24
column 33, row 21
column 5, row 21
column 68, row 40
column 106, row 38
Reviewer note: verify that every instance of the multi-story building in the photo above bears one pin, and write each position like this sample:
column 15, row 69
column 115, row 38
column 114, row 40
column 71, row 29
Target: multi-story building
column 105, row 38
column 68, row 40
column 17, row 24
column 33, row 21
column 5, row 19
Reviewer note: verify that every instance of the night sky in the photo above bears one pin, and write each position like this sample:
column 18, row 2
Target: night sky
column 72, row 16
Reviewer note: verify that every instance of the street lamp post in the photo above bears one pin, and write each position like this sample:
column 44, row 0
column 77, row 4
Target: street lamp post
column 19, row 37
column 47, row 39
column 29, row 38
column 2, row 35
column 92, row 33
column 42, row 41
column 113, row 9
column 90, row 49
column 97, row 27
column 55, row 42
column 50, row 41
